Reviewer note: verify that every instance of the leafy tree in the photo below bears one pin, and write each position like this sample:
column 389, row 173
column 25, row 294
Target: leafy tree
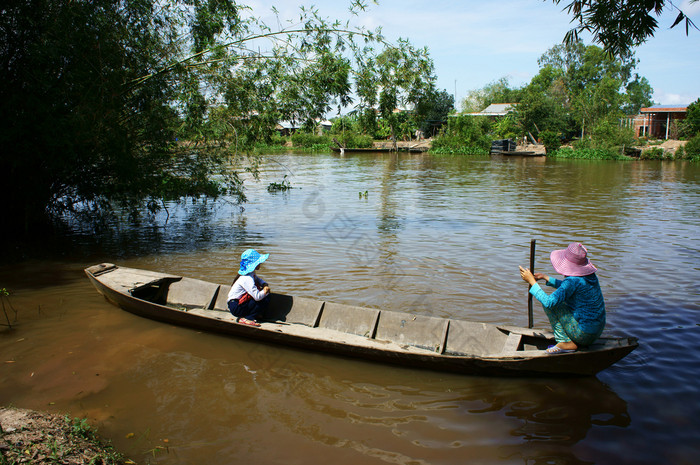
column 691, row 124
column 545, row 104
column 464, row 134
column 506, row 127
column 126, row 104
column 692, row 148
column 579, row 87
column 77, row 123
column 608, row 135
column 398, row 76
column 432, row 109
column 620, row 25
column 346, row 130
column 367, row 121
column 551, row 140
column 638, row 95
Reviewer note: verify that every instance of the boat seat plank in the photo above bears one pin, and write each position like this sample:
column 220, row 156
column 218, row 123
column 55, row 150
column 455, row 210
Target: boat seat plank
column 528, row 331
column 415, row 330
column 472, row 338
column 348, row 319
column 221, row 302
column 293, row 310
column 512, row 342
column 191, row 293
column 443, row 341
column 283, row 308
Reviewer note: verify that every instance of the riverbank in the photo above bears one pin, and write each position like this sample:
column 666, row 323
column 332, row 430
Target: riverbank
column 28, row 436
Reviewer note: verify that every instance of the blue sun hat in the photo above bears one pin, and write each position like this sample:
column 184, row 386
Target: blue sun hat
column 250, row 259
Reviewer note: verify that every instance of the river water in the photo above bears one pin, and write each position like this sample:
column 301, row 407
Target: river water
column 434, row 235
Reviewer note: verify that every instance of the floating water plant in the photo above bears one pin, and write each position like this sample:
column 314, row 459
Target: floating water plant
column 285, row 185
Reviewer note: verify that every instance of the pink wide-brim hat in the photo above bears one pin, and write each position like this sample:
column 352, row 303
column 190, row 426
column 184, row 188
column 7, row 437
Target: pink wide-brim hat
column 572, row 261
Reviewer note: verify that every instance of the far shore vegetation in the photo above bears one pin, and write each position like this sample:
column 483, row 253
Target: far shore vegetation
column 576, row 106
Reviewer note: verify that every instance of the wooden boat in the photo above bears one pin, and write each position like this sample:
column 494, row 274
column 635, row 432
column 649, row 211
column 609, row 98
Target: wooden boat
column 403, row 338
column 508, row 148
column 521, row 153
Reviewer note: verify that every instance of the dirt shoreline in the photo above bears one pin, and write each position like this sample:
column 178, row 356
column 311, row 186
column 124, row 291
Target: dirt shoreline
column 28, row 436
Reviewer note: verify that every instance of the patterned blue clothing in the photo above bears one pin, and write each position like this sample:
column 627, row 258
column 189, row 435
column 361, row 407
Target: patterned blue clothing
column 581, row 295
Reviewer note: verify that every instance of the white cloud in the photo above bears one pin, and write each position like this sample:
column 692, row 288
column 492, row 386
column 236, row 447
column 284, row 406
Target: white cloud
column 690, row 8
column 668, row 98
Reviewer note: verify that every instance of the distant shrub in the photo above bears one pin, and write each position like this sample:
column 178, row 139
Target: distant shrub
column 355, row 140
column 466, row 135
column 306, row 140
column 680, row 153
column 691, row 124
column 277, row 139
column 462, row 150
column 607, row 136
column 654, row 153
column 551, row 140
column 692, row 148
column 588, row 154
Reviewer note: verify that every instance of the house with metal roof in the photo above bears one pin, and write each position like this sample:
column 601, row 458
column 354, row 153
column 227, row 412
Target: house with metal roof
column 495, row 109
column 656, row 121
column 287, row 128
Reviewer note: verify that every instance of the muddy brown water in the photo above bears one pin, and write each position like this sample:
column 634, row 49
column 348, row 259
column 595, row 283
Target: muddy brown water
column 433, row 235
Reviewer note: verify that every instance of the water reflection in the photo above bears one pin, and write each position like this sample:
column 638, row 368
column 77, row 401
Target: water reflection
column 364, row 412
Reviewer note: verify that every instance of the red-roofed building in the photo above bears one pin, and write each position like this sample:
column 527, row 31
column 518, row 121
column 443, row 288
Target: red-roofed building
column 656, row 121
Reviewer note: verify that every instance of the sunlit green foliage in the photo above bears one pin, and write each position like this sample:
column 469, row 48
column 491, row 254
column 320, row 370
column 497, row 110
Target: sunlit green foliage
column 466, row 135
column 543, row 106
column 431, row 110
column 580, row 88
column 691, row 124
column 551, row 140
column 282, row 186
column 347, row 131
column 588, row 154
column 653, row 153
column 506, row 127
column 307, row 140
column 396, row 78
column 692, row 148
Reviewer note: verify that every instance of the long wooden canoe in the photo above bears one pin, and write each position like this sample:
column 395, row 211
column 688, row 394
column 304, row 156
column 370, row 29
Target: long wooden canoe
column 409, row 339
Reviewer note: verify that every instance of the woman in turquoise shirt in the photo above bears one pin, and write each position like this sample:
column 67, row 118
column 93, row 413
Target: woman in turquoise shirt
column 576, row 309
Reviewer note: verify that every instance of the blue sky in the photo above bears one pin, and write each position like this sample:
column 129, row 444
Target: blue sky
column 473, row 43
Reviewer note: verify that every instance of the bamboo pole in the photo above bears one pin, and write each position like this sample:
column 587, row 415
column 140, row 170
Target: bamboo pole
column 529, row 296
